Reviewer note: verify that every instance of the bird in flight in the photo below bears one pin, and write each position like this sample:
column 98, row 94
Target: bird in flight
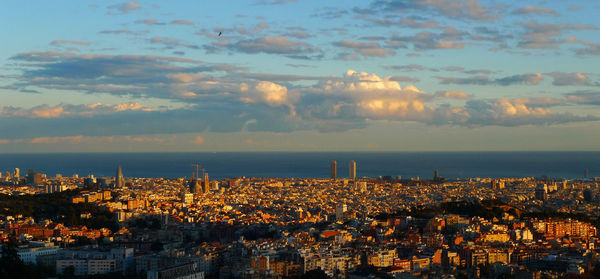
column 220, row 34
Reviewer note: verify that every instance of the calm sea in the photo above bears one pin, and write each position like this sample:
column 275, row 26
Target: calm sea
column 312, row 164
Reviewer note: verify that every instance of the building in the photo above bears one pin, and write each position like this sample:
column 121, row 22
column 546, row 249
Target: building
column 91, row 262
column 352, row 170
column 184, row 271
column 340, row 211
column 206, row 183
column 333, row 169
column 119, row 180
column 195, row 187
column 37, row 250
column 187, row 198
column 54, row 188
column 34, row 178
column 541, row 192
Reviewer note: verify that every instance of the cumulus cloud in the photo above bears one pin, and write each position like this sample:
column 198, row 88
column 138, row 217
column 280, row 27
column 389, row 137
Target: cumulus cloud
column 368, row 95
column 267, row 92
column 124, row 8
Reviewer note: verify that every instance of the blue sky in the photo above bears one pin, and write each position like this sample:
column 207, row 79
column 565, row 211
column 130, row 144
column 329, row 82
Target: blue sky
column 381, row 75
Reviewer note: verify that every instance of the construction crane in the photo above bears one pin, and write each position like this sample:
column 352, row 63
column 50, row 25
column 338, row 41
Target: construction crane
column 197, row 170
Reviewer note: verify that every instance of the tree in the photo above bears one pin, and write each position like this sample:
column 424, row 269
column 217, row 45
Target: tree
column 315, row 274
column 11, row 265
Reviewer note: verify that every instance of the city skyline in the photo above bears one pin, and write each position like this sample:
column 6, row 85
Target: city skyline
column 381, row 75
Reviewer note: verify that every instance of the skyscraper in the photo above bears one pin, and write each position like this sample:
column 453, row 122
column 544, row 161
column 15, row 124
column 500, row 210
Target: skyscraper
column 352, row 170
column 333, row 169
column 436, row 175
column 119, row 180
column 586, row 173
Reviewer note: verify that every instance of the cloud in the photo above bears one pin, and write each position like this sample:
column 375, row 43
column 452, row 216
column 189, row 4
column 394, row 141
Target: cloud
column 267, row 92
column 427, row 40
column 452, row 94
column 124, row 8
column 365, row 49
column 63, row 42
column 182, row 22
column 591, row 49
column 404, row 22
column 69, row 139
column 363, row 95
column 123, row 31
column 504, row 112
column 404, row 79
column 273, row 45
column 134, row 75
column 149, row 22
column 199, row 140
column 529, row 79
column 561, row 79
column 330, row 13
column 276, row 2
column 9, row 141
column 407, row 68
column 534, row 10
column 171, row 43
column 64, row 110
column 546, row 35
column 456, row 9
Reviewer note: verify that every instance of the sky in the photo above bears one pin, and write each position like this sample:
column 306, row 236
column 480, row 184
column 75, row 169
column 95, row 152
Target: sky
column 285, row 75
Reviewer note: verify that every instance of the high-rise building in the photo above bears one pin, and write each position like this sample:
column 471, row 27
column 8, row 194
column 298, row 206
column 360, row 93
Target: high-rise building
column 352, row 170
column 436, row 175
column 541, row 192
column 333, row 170
column 33, row 178
column 586, row 173
column 17, row 173
column 119, row 180
column 588, row 195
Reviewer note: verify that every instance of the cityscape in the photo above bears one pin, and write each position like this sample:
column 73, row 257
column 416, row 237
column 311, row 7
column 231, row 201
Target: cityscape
column 345, row 226
column 300, row 139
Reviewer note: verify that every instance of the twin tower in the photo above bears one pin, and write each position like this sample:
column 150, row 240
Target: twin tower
column 351, row 170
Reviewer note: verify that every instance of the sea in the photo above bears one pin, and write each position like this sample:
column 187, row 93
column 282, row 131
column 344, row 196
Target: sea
column 451, row 165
